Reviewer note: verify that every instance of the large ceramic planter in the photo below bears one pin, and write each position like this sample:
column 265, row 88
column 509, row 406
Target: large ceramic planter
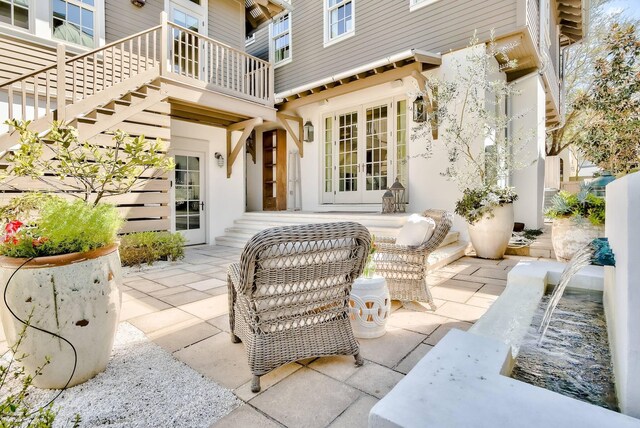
column 490, row 235
column 75, row 296
column 569, row 235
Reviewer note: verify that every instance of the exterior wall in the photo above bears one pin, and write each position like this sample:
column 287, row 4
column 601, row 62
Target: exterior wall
column 224, row 198
column 622, row 290
column 226, row 22
column 260, row 47
column 529, row 182
column 386, row 28
column 123, row 19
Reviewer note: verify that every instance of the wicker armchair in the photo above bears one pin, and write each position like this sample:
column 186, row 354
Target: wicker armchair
column 405, row 268
column 289, row 295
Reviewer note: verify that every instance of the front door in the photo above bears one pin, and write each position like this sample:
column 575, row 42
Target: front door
column 188, row 196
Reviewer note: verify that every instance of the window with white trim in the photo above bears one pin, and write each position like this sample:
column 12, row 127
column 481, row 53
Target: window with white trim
column 74, row 21
column 281, row 39
column 339, row 19
column 417, row 4
column 15, row 12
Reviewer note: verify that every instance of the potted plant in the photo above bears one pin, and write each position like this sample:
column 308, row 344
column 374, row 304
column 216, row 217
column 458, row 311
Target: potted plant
column 482, row 150
column 577, row 220
column 59, row 260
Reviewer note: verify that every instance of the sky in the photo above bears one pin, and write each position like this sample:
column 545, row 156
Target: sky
column 631, row 7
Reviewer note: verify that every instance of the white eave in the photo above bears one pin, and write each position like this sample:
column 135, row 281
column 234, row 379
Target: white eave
column 393, row 61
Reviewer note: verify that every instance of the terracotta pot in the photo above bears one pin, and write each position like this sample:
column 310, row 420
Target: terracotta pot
column 490, row 235
column 569, row 235
column 73, row 295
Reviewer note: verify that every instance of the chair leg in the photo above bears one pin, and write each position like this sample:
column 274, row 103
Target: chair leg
column 359, row 359
column 255, row 384
column 235, row 339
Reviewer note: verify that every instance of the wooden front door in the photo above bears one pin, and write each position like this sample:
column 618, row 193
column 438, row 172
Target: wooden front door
column 274, row 170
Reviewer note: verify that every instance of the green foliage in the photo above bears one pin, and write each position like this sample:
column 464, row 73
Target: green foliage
column 148, row 247
column 584, row 205
column 480, row 202
column 82, row 169
column 15, row 409
column 532, row 234
column 24, row 207
column 62, row 227
column 611, row 135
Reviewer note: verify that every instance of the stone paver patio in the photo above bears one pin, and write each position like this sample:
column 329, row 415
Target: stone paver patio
column 183, row 307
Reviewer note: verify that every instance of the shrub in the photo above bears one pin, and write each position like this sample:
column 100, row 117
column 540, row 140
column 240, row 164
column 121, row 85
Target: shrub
column 584, row 205
column 478, row 203
column 148, row 247
column 61, row 227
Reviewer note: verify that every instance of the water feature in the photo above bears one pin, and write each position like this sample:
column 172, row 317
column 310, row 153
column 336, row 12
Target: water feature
column 574, row 358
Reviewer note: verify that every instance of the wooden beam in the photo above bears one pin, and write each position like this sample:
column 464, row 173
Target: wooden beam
column 283, row 119
column 247, row 127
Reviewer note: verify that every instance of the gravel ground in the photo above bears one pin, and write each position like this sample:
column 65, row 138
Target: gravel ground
column 143, row 386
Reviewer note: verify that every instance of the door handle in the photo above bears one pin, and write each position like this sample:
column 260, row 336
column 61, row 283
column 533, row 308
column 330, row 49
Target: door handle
column 202, row 205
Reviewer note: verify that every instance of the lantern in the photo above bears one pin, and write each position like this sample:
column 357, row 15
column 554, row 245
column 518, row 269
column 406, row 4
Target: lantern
column 397, row 190
column 388, row 202
column 308, row 131
column 419, row 110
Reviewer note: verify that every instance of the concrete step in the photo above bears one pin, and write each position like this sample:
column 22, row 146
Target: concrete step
column 290, row 218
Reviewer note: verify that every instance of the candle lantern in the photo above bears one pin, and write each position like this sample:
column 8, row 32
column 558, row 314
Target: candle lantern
column 388, row 202
column 397, row 189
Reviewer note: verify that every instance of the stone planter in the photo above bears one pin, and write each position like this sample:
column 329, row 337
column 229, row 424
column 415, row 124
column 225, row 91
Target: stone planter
column 73, row 295
column 490, row 235
column 569, row 235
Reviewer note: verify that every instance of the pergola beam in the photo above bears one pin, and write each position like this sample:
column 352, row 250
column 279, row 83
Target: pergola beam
column 283, row 119
column 246, row 127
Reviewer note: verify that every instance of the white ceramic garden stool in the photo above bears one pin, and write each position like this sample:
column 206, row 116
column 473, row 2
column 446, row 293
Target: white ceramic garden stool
column 369, row 307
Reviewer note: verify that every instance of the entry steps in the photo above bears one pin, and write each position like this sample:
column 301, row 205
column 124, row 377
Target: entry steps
column 251, row 223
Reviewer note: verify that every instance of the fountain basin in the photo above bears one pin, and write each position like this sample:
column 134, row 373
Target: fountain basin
column 464, row 380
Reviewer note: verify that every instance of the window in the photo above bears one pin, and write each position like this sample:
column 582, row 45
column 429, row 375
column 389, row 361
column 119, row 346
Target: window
column 339, row 19
column 15, row 12
column 417, row 4
column 73, row 21
column 250, row 39
column 281, row 39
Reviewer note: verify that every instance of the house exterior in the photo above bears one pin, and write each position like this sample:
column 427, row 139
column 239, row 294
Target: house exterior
column 231, row 108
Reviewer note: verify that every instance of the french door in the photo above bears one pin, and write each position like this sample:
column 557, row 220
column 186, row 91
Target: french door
column 361, row 150
column 188, row 196
column 185, row 46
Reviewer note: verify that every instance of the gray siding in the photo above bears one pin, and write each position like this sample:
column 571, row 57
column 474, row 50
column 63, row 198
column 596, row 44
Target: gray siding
column 384, row 28
column 260, row 48
column 226, row 22
column 123, row 18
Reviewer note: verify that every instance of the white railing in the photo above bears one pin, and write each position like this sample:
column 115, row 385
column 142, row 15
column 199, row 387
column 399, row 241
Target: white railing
column 230, row 70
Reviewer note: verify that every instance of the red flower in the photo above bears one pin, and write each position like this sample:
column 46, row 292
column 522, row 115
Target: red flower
column 10, row 231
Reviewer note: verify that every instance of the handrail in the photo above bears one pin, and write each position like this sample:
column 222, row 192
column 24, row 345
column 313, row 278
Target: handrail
column 112, row 44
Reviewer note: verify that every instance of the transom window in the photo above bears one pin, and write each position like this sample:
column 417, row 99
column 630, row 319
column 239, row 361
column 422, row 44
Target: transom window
column 339, row 20
column 15, row 12
column 73, row 21
column 416, row 4
column 281, row 39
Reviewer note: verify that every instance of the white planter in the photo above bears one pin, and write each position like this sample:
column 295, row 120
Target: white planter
column 369, row 307
column 490, row 235
column 568, row 236
column 75, row 296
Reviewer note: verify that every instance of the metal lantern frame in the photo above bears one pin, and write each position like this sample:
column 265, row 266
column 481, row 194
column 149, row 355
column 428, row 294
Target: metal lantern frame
column 308, row 131
column 398, row 191
column 388, row 202
column 419, row 109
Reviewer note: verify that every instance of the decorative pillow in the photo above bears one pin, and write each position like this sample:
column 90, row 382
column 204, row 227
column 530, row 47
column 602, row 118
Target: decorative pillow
column 416, row 230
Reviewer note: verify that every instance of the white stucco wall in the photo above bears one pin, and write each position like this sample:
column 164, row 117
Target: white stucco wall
column 622, row 289
column 225, row 197
column 529, row 182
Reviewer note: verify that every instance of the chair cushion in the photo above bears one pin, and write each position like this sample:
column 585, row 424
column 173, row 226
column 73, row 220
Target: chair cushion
column 416, row 231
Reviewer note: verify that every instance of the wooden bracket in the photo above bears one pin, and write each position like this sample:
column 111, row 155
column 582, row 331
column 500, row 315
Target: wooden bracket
column 283, row 119
column 246, row 127
column 430, row 101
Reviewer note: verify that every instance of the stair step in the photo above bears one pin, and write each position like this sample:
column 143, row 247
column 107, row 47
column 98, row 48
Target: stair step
column 105, row 110
column 86, row 119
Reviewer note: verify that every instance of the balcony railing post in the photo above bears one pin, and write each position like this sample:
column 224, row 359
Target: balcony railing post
column 61, row 90
column 271, row 89
column 164, row 47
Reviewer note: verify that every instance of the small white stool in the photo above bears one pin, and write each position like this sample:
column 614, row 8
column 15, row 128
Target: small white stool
column 369, row 307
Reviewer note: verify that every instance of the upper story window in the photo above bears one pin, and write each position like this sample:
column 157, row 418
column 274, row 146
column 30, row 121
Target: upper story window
column 281, row 39
column 73, row 21
column 339, row 20
column 15, row 12
column 417, row 4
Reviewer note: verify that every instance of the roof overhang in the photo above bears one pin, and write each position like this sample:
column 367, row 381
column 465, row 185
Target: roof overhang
column 573, row 19
column 260, row 12
column 422, row 59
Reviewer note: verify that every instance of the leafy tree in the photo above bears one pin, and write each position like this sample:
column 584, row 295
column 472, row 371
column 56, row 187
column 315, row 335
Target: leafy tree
column 611, row 137
column 82, row 169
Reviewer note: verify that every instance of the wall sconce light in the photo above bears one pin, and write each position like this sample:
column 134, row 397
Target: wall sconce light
column 308, row 131
column 220, row 159
column 419, row 110
column 138, row 3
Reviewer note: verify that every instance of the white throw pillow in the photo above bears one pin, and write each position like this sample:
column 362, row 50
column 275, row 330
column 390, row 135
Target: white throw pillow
column 416, row 230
